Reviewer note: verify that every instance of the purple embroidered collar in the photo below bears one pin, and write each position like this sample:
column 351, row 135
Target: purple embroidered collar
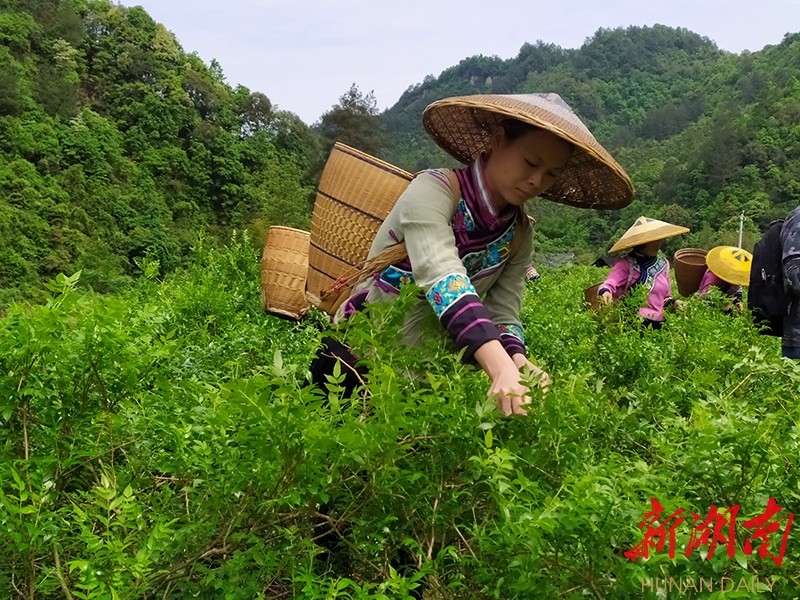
column 478, row 197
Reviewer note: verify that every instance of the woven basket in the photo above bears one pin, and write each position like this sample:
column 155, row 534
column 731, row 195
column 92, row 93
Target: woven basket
column 690, row 265
column 284, row 268
column 356, row 193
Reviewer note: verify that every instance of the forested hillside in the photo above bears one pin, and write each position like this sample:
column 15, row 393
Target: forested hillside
column 704, row 134
column 163, row 440
column 118, row 147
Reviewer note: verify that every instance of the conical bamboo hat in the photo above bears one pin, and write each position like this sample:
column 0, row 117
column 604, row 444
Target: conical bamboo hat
column 463, row 127
column 647, row 230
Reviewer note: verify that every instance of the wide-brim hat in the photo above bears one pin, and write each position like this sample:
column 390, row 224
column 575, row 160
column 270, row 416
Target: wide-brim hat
column 646, row 230
column 730, row 264
column 463, row 127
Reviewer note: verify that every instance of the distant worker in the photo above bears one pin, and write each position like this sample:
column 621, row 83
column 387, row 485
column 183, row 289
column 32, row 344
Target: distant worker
column 642, row 266
column 728, row 269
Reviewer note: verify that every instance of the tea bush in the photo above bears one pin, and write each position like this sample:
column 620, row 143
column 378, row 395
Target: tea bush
column 165, row 443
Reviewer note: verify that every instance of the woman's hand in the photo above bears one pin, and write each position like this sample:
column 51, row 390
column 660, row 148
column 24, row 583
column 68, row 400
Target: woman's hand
column 510, row 394
column 605, row 297
column 523, row 363
column 507, row 388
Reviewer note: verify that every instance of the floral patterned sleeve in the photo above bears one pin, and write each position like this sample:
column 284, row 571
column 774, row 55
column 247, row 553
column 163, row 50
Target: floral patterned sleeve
column 426, row 211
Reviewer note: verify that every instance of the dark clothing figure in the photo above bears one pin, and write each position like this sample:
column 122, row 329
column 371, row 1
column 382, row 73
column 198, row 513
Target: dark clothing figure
column 328, row 355
column 332, row 352
column 790, row 241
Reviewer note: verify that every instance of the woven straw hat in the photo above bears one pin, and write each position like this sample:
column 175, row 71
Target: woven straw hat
column 730, row 264
column 647, row 230
column 463, row 127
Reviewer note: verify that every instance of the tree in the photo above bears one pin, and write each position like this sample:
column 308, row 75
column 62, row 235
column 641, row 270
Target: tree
column 255, row 113
column 12, row 84
column 353, row 121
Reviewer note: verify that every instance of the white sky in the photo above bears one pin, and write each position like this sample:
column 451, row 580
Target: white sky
column 304, row 54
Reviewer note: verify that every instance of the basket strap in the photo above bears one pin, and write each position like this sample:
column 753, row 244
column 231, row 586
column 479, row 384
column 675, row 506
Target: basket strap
column 397, row 252
column 394, row 253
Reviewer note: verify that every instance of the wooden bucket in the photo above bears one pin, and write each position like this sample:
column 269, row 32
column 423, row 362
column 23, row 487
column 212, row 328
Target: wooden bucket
column 689, row 265
column 356, row 193
column 284, row 269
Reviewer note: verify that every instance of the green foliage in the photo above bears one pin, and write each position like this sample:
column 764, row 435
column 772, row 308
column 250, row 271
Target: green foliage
column 711, row 133
column 353, row 121
column 116, row 145
column 166, row 443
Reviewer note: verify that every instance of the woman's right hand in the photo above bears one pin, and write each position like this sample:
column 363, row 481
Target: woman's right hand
column 605, row 297
column 523, row 364
column 510, row 394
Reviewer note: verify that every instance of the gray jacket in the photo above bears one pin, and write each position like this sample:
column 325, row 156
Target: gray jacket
column 790, row 241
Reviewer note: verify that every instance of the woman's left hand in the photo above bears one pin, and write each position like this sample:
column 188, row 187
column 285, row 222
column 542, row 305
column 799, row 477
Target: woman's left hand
column 544, row 379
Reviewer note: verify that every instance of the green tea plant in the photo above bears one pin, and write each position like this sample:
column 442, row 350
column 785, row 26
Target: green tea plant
column 166, row 443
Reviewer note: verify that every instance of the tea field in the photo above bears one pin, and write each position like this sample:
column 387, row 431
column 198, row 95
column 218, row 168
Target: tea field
column 164, row 443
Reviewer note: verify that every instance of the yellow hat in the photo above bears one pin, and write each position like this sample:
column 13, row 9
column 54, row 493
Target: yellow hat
column 646, row 230
column 730, row 264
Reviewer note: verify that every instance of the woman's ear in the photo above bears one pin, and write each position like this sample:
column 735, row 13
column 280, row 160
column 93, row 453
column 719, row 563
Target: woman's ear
column 498, row 137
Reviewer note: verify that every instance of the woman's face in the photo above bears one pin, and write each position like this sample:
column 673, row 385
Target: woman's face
column 651, row 248
column 524, row 167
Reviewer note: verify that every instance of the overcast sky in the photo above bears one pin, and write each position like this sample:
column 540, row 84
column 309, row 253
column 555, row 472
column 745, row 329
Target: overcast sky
column 304, row 54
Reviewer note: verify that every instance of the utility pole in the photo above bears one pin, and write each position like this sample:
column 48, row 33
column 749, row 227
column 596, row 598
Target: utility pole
column 741, row 227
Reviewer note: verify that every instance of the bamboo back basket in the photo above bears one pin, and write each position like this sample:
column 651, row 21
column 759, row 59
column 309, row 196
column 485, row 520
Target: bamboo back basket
column 356, row 192
column 690, row 265
column 284, row 269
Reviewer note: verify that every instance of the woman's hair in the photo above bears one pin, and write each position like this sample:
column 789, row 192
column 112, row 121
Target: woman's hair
column 514, row 128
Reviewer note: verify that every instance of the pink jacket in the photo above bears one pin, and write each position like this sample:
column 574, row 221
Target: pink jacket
column 652, row 272
column 709, row 279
